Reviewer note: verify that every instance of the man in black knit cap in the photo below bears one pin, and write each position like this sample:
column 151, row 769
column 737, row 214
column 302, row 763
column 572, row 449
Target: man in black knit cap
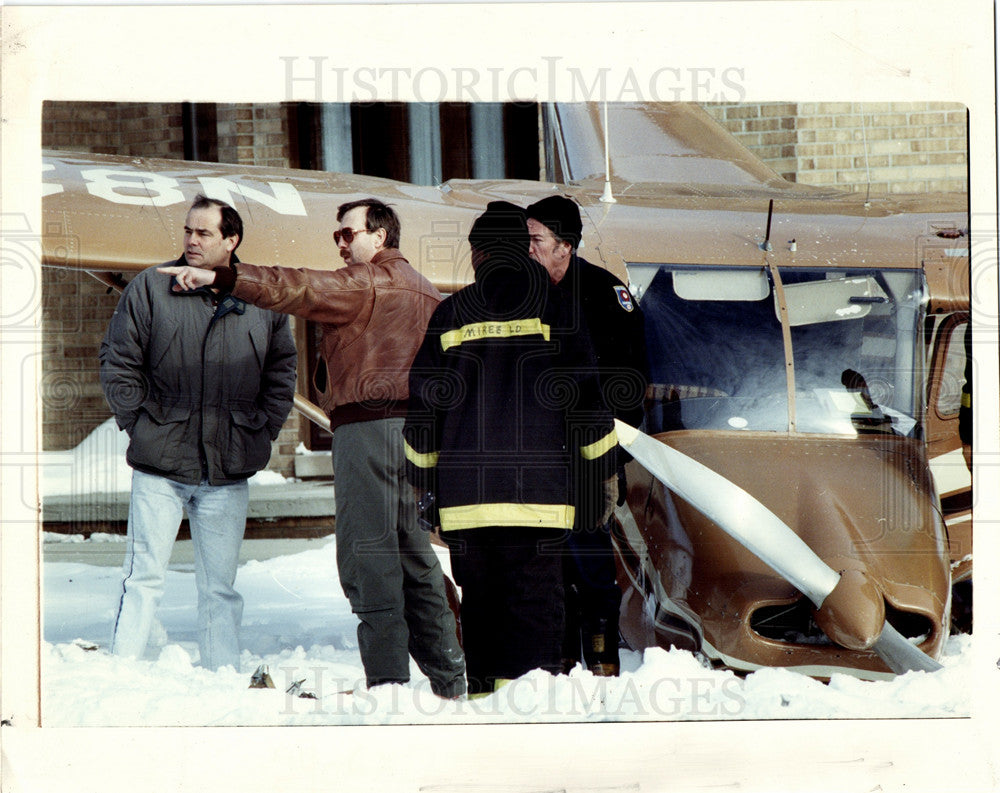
column 606, row 310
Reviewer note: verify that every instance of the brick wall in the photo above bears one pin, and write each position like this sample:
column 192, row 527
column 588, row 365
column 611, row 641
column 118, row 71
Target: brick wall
column 75, row 313
column 887, row 147
column 254, row 135
column 152, row 129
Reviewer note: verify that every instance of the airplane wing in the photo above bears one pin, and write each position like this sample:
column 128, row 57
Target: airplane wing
column 113, row 214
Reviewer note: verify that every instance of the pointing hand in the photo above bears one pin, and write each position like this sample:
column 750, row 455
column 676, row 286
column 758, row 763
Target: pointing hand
column 188, row 277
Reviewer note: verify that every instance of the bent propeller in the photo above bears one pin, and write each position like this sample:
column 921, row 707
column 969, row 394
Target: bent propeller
column 752, row 524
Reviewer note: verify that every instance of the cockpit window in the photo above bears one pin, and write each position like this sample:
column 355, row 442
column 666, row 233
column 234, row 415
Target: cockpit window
column 717, row 352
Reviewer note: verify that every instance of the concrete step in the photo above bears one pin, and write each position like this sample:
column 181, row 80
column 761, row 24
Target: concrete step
column 303, row 508
column 111, row 554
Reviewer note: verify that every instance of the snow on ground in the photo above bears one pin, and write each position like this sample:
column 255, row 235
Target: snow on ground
column 299, row 625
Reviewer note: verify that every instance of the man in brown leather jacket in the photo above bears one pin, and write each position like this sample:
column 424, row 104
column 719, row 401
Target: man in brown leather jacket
column 373, row 314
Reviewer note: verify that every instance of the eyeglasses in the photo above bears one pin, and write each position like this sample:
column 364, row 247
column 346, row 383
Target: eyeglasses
column 348, row 235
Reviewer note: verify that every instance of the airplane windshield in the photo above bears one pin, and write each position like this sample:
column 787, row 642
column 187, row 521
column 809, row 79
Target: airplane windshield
column 717, row 352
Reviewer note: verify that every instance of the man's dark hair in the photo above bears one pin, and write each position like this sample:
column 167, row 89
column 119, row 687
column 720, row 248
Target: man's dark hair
column 231, row 224
column 379, row 216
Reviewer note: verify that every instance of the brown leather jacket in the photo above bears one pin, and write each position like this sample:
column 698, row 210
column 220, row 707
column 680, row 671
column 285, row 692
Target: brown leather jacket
column 373, row 319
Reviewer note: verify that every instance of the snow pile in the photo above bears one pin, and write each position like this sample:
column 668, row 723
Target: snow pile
column 97, row 465
column 95, row 537
column 298, row 624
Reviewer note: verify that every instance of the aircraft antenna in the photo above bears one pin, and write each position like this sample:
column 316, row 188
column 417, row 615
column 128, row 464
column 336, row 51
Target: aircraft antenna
column 607, row 196
column 766, row 244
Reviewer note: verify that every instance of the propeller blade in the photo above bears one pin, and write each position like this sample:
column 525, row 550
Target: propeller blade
column 763, row 533
column 900, row 655
column 735, row 511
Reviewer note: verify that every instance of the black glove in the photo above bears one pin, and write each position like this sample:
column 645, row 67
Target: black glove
column 427, row 511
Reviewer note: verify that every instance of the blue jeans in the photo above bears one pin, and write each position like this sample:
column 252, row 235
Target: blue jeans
column 217, row 515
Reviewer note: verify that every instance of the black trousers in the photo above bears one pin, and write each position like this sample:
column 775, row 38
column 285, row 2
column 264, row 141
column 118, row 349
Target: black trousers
column 593, row 597
column 512, row 601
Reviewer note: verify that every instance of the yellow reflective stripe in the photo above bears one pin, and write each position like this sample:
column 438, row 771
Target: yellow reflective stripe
column 428, row 460
column 494, row 330
column 966, row 399
column 597, row 448
column 473, row 516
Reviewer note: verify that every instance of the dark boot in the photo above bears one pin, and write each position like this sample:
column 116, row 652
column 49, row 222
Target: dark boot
column 602, row 649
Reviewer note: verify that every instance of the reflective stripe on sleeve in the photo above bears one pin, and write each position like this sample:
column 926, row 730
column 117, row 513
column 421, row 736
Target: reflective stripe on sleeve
column 421, row 460
column 594, row 450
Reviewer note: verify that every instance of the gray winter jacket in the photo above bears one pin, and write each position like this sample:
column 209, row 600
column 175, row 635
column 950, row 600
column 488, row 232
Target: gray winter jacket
column 201, row 385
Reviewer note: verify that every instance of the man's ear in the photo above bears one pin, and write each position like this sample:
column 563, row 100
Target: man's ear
column 232, row 242
column 379, row 236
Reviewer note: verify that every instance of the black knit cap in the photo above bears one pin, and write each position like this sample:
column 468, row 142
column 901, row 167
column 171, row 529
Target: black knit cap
column 503, row 226
column 560, row 215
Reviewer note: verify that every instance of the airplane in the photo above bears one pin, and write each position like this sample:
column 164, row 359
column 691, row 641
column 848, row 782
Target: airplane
column 800, row 494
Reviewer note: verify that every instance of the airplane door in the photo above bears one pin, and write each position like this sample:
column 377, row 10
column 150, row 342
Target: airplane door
column 949, row 446
column 947, row 385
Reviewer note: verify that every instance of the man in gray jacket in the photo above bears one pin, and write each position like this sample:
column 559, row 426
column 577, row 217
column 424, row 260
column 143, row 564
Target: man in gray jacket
column 202, row 383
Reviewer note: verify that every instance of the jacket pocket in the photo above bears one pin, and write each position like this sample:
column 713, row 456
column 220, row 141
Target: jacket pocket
column 160, row 441
column 249, row 448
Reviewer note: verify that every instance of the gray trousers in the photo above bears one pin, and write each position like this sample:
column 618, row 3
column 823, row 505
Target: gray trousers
column 388, row 570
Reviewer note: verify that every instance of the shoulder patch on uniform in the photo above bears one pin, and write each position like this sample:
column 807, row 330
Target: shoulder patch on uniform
column 624, row 297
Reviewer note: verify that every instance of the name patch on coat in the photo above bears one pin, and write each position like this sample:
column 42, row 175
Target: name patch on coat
column 624, row 298
column 494, row 330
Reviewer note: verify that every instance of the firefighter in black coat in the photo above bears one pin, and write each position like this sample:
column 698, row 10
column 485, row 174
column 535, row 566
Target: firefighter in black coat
column 505, row 421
